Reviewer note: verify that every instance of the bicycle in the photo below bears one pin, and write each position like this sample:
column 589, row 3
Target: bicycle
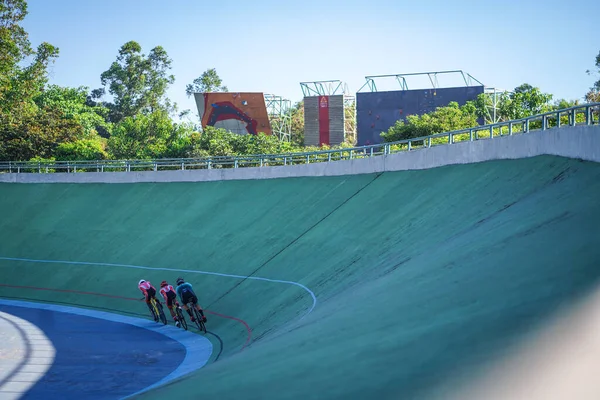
column 157, row 310
column 198, row 317
column 180, row 316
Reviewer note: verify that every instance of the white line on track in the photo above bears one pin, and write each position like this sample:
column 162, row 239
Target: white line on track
column 22, row 362
column 191, row 271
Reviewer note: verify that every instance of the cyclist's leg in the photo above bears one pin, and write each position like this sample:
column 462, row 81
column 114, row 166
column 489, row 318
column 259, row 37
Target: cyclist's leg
column 185, row 300
column 170, row 302
column 150, row 307
column 197, row 306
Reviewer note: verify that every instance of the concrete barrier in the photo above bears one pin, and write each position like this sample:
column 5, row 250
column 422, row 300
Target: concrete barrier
column 580, row 142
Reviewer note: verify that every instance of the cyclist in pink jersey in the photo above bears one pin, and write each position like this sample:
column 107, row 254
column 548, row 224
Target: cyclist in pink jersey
column 168, row 293
column 149, row 293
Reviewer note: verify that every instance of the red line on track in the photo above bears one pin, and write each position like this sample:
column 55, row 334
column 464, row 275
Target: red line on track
column 248, row 329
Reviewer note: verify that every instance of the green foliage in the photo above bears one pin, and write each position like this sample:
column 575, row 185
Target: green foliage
column 36, row 135
column 148, row 136
column 83, row 149
column 72, row 102
column 137, row 82
column 209, row 81
column 443, row 119
column 297, row 134
column 593, row 96
column 524, row 101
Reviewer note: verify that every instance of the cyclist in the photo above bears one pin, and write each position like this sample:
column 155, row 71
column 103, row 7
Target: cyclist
column 149, row 293
column 186, row 294
column 168, row 293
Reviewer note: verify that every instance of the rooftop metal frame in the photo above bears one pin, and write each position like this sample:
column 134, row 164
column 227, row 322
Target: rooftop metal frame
column 324, row 88
column 433, row 78
column 280, row 116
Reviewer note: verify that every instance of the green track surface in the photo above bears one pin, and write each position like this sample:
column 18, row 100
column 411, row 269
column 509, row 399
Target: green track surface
column 420, row 276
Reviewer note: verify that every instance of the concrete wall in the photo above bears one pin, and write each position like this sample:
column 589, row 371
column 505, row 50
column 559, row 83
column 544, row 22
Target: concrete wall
column 311, row 120
column 335, row 124
column 336, row 120
column 581, row 142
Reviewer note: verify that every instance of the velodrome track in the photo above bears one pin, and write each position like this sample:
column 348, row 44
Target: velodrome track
column 385, row 285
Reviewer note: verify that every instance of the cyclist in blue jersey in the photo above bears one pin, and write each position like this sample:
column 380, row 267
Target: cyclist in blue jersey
column 186, row 294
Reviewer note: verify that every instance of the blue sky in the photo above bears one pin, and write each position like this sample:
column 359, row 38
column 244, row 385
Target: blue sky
column 271, row 46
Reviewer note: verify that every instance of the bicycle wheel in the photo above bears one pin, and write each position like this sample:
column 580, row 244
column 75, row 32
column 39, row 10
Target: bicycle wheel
column 181, row 318
column 161, row 313
column 197, row 320
column 201, row 325
column 153, row 311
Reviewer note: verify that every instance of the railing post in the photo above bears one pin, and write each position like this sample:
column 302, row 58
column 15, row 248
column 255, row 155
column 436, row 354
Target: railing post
column 39, row 167
column 284, row 160
column 261, row 161
column 308, row 158
column 351, row 154
column 209, row 164
column 526, row 129
column 371, row 152
column 510, row 129
column 471, row 135
column 449, row 138
column 235, row 163
column 328, row 157
column 428, row 142
column 544, row 122
column 588, row 115
column 74, row 168
column 182, row 165
column 409, row 145
column 102, row 168
column 68, row 168
column 10, row 167
column 492, row 132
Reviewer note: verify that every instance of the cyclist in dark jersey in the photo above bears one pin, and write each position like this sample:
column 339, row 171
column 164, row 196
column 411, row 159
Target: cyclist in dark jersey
column 186, row 294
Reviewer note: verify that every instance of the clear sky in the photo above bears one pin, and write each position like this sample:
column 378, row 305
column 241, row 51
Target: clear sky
column 270, row 46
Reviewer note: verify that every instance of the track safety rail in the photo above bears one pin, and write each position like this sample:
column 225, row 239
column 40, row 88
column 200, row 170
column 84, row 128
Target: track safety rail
column 585, row 114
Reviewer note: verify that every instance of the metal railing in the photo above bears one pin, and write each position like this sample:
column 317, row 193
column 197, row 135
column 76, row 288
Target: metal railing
column 586, row 114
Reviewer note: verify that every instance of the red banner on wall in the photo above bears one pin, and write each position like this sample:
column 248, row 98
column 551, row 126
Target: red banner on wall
column 323, row 120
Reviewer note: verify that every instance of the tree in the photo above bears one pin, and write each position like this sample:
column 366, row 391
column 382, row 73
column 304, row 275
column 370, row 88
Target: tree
column 297, row 134
column 593, row 95
column 73, row 102
column 444, row 119
column 19, row 82
column 38, row 134
column 209, row 81
column 524, row 101
column 138, row 83
column 145, row 136
column 27, row 129
column 93, row 148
